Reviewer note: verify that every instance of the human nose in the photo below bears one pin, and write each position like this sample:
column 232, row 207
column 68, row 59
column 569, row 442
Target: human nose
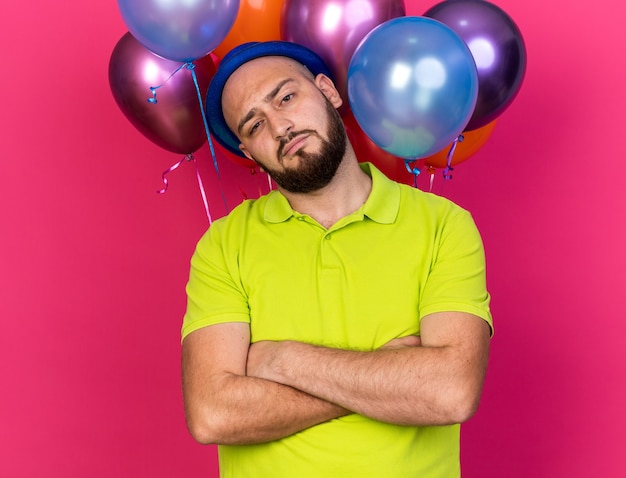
column 280, row 125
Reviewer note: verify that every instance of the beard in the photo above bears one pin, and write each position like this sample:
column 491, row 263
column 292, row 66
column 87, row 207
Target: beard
column 315, row 170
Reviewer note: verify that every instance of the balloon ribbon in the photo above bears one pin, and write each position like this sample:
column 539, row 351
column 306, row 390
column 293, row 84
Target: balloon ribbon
column 153, row 89
column 413, row 170
column 449, row 168
column 187, row 157
column 191, row 67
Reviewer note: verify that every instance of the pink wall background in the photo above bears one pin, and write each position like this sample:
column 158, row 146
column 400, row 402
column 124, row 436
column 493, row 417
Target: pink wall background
column 94, row 262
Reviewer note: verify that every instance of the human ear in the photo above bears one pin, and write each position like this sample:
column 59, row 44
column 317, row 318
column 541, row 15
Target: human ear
column 245, row 151
column 327, row 87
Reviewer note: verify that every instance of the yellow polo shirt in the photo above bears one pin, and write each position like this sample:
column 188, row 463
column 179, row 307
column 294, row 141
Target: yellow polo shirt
column 369, row 278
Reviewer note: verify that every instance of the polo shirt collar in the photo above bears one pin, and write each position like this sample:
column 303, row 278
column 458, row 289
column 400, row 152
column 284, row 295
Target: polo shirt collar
column 383, row 203
column 381, row 206
column 277, row 208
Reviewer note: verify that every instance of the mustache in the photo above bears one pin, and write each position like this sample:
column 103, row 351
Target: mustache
column 290, row 136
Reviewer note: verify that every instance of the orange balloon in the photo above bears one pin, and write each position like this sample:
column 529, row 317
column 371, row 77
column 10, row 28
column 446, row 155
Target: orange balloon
column 472, row 142
column 257, row 20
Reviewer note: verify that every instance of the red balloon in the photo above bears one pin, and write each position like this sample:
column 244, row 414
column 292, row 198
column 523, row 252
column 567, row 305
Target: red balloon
column 367, row 151
column 174, row 122
column 220, row 151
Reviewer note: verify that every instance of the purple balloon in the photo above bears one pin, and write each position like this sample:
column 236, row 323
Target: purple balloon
column 175, row 122
column 498, row 49
column 334, row 28
column 180, row 30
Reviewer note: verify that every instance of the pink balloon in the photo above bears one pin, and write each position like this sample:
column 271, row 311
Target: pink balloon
column 334, row 28
column 175, row 121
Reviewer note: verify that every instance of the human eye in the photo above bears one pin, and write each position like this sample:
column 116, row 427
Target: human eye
column 254, row 127
column 287, row 98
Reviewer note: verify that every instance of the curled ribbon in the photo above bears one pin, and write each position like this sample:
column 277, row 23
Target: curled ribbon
column 413, row 170
column 187, row 157
column 153, row 89
column 431, row 171
column 449, row 168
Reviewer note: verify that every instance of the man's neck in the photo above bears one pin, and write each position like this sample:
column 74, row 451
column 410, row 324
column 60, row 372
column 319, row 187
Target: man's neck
column 346, row 193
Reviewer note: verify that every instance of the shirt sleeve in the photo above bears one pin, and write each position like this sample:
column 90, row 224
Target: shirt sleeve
column 214, row 293
column 457, row 280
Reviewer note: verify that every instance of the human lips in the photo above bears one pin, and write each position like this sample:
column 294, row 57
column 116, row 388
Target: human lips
column 292, row 146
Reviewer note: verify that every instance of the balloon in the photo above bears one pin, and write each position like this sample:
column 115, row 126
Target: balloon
column 180, row 30
column 472, row 142
column 334, row 28
column 412, row 85
column 367, row 151
column 257, row 20
column 497, row 47
column 175, row 122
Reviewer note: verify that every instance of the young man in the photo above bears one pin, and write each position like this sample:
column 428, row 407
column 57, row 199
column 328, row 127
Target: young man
column 340, row 325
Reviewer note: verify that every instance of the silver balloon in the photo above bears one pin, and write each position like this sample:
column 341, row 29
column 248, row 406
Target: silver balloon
column 179, row 30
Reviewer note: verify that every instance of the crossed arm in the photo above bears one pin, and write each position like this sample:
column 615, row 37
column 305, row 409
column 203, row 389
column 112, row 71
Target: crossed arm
column 237, row 393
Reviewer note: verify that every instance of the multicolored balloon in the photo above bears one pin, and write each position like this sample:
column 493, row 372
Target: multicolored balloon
column 412, row 86
column 180, row 30
column 175, row 122
column 334, row 28
column 498, row 48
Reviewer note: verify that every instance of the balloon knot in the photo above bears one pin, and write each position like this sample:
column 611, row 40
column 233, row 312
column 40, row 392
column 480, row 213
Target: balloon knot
column 153, row 100
column 412, row 170
column 153, row 89
column 447, row 171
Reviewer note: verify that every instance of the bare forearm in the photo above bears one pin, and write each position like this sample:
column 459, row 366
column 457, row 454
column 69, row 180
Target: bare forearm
column 381, row 384
column 246, row 410
column 425, row 385
column 223, row 405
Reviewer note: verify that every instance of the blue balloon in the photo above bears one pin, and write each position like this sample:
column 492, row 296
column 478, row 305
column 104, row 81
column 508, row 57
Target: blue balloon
column 179, row 30
column 412, row 86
